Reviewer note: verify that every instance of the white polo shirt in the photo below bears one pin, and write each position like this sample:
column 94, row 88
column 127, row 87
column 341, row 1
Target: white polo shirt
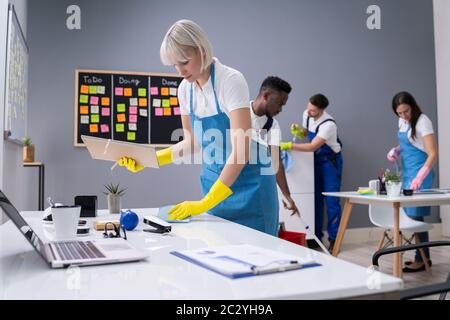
column 270, row 138
column 327, row 131
column 424, row 127
column 231, row 90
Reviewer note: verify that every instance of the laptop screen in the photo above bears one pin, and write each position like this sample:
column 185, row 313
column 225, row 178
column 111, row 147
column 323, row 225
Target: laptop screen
column 22, row 225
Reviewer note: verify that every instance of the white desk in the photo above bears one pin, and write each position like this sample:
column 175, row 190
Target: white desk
column 24, row 275
column 383, row 200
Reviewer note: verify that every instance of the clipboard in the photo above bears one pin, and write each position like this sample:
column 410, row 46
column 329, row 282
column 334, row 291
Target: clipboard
column 113, row 150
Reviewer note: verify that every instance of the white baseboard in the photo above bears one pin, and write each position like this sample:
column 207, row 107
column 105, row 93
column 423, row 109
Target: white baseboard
column 358, row 235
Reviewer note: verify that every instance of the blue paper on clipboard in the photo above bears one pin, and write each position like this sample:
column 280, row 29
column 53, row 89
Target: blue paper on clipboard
column 162, row 214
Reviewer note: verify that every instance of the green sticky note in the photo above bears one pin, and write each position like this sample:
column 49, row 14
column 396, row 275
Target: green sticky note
column 142, row 92
column 131, row 136
column 120, row 127
column 92, row 89
column 84, row 98
column 121, row 107
column 95, row 118
column 166, row 103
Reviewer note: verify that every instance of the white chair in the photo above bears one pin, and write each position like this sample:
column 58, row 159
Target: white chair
column 383, row 217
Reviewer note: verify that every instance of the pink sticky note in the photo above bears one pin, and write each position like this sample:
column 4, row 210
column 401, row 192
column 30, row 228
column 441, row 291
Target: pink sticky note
column 176, row 111
column 104, row 128
column 154, row 91
column 94, row 100
column 133, row 110
column 119, row 91
column 105, row 112
column 133, row 118
column 158, row 112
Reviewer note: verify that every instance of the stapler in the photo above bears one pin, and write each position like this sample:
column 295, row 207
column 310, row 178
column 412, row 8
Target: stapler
column 160, row 225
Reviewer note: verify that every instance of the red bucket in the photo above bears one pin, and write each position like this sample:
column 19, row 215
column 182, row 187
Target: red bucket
column 295, row 237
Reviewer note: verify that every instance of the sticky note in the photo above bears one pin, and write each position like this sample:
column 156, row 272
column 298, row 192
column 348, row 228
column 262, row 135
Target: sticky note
column 173, row 101
column 158, row 112
column 105, row 112
column 92, row 89
column 173, row 91
column 132, row 126
column 167, row 111
column 94, row 109
column 95, row 118
column 104, row 128
column 132, row 110
column 93, row 128
column 142, row 92
column 142, row 102
column 143, row 112
column 105, row 101
column 133, row 118
column 157, row 103
column 100, row 89
column 84, row 98
column 131, row 136
column 133, row 101
column 84, row 89
column 94, row 100
column 118, row 91
column 166, row 103
column 164, row 91
column 121, row 107
column 120, row 127
column 176, row 111
column 154, row 91
column 84, row 119
column 84, row 109
column 128, row 92
column 121, row 117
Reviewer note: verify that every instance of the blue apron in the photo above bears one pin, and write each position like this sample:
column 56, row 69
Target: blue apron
column 254, row 202
column 327, row 178
column 412, row 160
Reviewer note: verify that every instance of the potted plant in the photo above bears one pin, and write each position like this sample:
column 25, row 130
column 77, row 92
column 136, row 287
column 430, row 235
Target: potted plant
column 28, row 150
column 393, row 183
column 114, row 193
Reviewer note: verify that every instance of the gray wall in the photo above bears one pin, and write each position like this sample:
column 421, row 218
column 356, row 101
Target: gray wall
column 318, row 46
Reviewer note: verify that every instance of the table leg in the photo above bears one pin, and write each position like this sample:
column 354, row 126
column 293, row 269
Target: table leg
column 342, row 226
column 397, row 266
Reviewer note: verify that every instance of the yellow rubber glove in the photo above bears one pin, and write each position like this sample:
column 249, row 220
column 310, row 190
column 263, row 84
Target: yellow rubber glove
column 165, row 156
column 218, row 192
column 297, row 131
column 286, row 146
column 130, row 164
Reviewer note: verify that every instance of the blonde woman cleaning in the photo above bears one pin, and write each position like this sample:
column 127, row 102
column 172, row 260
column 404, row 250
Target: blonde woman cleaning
column 215, row 97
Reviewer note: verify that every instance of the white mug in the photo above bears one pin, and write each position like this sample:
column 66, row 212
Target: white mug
column 65, row 220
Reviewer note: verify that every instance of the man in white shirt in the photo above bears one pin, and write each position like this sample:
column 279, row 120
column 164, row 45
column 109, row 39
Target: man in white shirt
column 324, row 142
column 273, row 95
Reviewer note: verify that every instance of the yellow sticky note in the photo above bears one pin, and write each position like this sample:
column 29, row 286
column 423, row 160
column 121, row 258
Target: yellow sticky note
column 121, row 107
column 127, row 92
column 93, row 89
column 142, row 102
column 167, row 111
column 164, row 91
column 84, row 89
column 173, row 101
column 95, row 118
column 93, row 128
column 166, row 103
column 121, row 117
column 84, row 98
column 131, row 136
column 105, row 101
column 84, row 109
column 142, row 92
column 120, row 127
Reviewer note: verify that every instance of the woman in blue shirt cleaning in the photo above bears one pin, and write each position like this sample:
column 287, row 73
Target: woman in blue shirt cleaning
column 214, row 98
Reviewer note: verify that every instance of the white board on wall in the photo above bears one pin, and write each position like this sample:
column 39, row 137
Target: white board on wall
column 16, row 85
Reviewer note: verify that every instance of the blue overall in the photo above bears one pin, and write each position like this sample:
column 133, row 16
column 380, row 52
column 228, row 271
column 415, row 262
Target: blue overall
column 327, row 178
column 412, row 160
column 254, row 202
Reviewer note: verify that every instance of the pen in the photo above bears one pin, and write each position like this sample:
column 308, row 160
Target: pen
column 291, row 266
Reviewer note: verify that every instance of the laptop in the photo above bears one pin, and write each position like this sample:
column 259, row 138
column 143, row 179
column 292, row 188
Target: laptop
column 61, row 254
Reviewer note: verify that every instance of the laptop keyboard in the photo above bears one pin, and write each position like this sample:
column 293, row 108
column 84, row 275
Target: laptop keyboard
column 77, row 250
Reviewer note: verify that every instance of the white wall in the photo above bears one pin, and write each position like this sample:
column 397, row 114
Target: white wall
column 442, row 44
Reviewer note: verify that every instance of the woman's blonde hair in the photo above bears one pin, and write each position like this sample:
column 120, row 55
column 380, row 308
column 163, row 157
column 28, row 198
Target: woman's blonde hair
column 181, row 35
